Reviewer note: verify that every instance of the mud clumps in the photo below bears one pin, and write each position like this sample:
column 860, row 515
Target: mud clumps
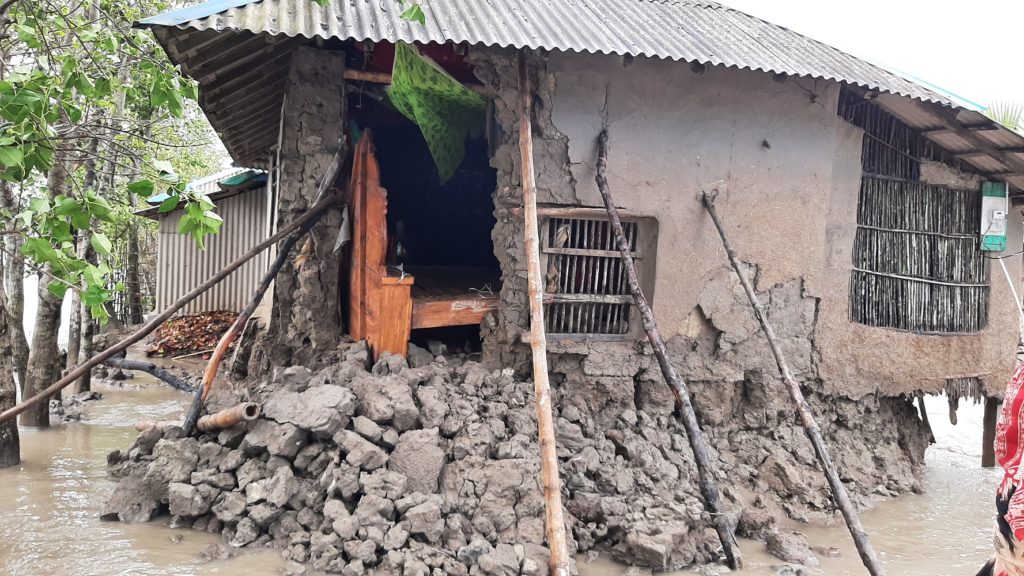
column 434, row 469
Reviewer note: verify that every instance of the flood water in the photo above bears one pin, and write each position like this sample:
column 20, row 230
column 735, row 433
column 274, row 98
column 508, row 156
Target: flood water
column 49, row 507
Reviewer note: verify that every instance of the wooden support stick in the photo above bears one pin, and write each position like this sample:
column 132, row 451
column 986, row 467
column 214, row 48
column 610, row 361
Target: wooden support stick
column 153, row 324
column 213, row 365
column 842, row 499
column 988, row 436
column 560, row 561
column 684, row 407
column 165, row 375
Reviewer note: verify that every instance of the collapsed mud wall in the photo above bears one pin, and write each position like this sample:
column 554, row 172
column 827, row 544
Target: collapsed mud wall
column 306, row 317
column 777, row 154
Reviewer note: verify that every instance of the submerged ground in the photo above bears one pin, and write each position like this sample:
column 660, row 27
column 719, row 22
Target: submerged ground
column 50, row 507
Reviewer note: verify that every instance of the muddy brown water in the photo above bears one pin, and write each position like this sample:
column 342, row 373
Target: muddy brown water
column 49, row 508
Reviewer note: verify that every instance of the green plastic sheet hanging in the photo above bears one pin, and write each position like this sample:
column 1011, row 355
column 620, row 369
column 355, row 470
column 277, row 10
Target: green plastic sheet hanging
column 445, row 110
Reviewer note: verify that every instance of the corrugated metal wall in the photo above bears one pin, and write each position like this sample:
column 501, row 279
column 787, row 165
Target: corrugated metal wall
column 181, row 266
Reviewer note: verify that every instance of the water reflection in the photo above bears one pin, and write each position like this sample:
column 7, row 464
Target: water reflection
column 49, row 506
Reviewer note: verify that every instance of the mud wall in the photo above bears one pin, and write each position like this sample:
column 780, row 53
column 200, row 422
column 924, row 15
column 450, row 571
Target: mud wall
column 787, row 172
column 306, row 319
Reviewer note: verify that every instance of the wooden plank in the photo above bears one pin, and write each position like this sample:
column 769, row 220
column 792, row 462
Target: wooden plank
column 357, row 274
column 451, row 311
column 394, row 313
column 589, row 298
column 637, row 255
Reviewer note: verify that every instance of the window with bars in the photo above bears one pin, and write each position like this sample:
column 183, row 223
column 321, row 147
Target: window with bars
column 586, row 290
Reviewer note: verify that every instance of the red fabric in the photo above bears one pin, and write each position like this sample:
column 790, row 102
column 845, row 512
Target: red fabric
column 1009, row 449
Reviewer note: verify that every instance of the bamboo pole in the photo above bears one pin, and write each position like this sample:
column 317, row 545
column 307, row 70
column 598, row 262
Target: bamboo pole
column 560, row 561
column 229, row 417
column 213, row 365
column 153, row 324
column 684, row 407
column 842, row 499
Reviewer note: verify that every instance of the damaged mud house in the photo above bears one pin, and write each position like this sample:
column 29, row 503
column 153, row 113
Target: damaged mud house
column 854, row 196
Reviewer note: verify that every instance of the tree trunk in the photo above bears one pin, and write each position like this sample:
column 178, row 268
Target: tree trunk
column 74, row 329
column 10, row 444
column 133, row 280
column 14, row 278
column 44, row 357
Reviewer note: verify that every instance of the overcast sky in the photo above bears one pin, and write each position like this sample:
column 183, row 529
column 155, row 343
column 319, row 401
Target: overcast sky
column 973, row 49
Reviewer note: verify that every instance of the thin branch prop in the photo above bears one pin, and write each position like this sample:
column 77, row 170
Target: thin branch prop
column 684, row 406
column 842, row 499
column 213, row 365
column 153, row 324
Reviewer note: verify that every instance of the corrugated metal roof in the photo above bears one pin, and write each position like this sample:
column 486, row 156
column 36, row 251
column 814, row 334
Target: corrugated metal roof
column 239, row 52
column 691, row 30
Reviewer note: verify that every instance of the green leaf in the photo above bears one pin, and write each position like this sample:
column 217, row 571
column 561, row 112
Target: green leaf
column 39, row 205
column 81, row 220
column 11, row 156
column 169, row 204
column 143, row 188
column 57, row 288
column 414, row 13
column 101, row 243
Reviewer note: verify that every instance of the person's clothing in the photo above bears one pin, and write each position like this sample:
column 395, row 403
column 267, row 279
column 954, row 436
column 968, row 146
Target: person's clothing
column 1009, row 451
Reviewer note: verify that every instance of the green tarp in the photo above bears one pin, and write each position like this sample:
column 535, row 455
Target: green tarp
column 445, row 110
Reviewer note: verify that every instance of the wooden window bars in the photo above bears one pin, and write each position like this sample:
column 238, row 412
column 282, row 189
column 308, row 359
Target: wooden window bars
column 586, row 292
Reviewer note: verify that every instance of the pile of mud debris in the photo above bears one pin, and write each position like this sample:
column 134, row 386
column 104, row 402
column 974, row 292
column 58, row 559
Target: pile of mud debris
column 425, row 469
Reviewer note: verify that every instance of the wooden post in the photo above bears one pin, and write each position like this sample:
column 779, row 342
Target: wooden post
column 684, row 407
column 988, row 437
column 842, row 499
column 538, row 342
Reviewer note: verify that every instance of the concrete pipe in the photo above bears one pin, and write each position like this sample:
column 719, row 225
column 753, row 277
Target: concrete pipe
column 229, row 417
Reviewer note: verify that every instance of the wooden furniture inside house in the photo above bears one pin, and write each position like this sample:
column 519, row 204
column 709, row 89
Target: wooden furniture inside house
column 386, row 303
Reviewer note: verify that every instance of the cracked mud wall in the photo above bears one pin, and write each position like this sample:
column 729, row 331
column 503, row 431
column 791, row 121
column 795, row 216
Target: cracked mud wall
column 787, row 172
column 305, row 320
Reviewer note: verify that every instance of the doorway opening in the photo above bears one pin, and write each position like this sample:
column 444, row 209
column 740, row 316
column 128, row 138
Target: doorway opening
column 438, row 233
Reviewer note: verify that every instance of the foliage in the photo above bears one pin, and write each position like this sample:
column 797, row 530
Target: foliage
column 1009, row 114
column 86, row 98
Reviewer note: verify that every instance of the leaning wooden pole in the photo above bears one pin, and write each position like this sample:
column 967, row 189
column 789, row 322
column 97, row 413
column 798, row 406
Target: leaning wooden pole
column 153, row 324
column 210, row 373
column 560, row 562
column 842, row 499
column 684, row 407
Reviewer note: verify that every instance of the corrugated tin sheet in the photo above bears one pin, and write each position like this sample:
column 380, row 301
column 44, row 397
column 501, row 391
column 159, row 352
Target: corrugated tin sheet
column 181, row 266
column 691, row 30
column 239, row 51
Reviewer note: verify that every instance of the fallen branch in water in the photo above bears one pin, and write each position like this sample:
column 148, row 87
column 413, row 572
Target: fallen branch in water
column 81, row 369
column 165, row 375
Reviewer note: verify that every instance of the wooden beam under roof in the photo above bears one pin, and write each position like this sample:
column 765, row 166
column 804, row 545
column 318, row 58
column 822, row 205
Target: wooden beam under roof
column 947, row 117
